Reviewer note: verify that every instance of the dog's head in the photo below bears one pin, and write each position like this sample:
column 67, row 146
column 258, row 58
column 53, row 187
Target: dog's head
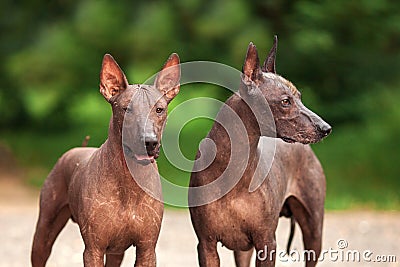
column 293, row 121
column 139, row 110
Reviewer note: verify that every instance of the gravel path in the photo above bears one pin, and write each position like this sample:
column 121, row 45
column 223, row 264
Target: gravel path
column 377, row 232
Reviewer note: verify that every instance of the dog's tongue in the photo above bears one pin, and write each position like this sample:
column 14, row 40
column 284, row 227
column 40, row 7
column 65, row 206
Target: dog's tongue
column 144, row 157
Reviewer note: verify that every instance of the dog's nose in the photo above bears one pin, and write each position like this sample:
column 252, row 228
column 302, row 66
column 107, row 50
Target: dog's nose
column 325, row 129
column 151, row 144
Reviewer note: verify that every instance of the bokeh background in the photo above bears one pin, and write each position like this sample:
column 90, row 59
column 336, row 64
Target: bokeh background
column 344, row 56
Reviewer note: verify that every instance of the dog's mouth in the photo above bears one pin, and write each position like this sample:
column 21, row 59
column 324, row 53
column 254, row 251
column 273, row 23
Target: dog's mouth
column 305, row 141
column 288, row 140
column 143, row 159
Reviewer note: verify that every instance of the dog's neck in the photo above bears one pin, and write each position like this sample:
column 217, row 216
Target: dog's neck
column 246, row 137
column 235, row 135
column 113, row 145
column 112, row 157
column 248, row 119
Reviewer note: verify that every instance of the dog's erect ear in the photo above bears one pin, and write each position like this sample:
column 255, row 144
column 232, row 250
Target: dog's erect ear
column 251, row 67
column 269, row 63
column 112, row 78
column 167, row 80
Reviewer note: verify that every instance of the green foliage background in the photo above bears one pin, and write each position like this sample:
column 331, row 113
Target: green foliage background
column 343, row 55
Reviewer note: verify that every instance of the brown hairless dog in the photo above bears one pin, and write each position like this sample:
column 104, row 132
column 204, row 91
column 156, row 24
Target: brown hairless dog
column 292, row 180
column 97, row 187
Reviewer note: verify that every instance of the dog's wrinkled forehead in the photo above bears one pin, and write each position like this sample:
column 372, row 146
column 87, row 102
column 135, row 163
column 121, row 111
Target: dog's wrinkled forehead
column 142, row 95
column 281, row 82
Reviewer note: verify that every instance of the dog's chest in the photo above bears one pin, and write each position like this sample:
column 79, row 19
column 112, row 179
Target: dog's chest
column 120, row 223
column 134, row 225
column 235, row 219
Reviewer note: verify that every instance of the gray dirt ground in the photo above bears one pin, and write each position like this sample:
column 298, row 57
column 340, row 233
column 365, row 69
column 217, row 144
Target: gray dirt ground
column 377, row 232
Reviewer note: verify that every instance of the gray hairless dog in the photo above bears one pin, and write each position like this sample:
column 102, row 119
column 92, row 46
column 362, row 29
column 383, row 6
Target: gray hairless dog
column 293, row 185
column 97, row 187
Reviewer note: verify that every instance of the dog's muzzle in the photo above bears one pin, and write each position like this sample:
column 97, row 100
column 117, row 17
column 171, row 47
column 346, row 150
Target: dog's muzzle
column 147, row 155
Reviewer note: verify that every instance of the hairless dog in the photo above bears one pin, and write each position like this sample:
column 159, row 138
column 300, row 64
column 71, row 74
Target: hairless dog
column 292, row 180
column 97, row 187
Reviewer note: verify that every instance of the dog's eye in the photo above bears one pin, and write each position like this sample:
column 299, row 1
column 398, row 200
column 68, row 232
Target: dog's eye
column 159, row 110
column 285, row 102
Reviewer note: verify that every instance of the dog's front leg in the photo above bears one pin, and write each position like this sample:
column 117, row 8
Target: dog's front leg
column 93, row 257
column 243, row 258
column 114, row 260
column 145, row 256
column 265, row 251
column 208, row 255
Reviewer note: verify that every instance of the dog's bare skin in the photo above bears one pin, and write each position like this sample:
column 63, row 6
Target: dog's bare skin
column 294, row 186
column 94, row 186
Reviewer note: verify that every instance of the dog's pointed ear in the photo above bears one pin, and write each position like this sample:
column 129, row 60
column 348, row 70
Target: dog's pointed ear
column 167, row 80
column 269, row 63
column 251, row 67
column 112, row 78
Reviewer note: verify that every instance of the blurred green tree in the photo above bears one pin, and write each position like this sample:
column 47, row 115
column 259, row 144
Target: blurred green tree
column 343, row 55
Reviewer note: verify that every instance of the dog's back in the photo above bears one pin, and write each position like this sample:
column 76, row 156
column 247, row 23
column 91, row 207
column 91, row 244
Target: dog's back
column 67, row 164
